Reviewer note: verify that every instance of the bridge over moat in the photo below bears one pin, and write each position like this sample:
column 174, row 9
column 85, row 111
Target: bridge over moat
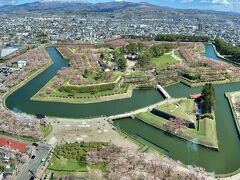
column 133, row 113
column 163, row 91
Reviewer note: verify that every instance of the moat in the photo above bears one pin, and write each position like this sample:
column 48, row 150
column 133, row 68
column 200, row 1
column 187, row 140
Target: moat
column 226, row 160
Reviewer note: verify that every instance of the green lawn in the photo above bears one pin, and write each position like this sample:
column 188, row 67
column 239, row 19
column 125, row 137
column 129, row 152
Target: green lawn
column 66, row 164
column 164, row 61
column 90, row 78
column 71, row 158
column 184, row 109
column 46, row 130
column 152, row 119
column 72, row 49
column 135, row 74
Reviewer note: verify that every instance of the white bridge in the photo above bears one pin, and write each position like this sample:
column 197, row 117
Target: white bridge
column 133, row 113
column 148, row 108
column 163, row 91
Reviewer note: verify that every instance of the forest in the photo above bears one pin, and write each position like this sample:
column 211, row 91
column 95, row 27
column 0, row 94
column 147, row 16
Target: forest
column 227, row 49
column 209, row 98
column 181, row 38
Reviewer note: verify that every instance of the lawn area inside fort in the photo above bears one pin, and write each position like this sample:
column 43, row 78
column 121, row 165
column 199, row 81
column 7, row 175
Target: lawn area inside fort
column 164, row 61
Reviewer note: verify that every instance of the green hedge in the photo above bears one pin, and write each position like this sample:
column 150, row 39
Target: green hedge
column 86, row 89
column 191, row 76
column 207, row 115
column 181, row 37
column 224, row 48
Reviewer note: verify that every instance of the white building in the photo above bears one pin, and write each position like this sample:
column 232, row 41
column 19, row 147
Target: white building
column 21, row 64
column 8, row 51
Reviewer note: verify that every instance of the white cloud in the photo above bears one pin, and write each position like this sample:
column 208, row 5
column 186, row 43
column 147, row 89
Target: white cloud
column 186, row 1
column 63, row 1
column 5, row 2
column 224, row 2
column 223, row 5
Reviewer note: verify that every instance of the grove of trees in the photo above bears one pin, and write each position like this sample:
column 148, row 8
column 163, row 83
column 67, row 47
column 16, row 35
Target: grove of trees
column 181, row 37
column 119, row 59
column 78, row 151
column 20, row 124
column 224, row 48
column 128, row 164
column 90, row 88
column 209, row 98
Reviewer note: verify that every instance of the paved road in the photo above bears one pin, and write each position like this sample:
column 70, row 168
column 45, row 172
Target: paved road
column 31, row 168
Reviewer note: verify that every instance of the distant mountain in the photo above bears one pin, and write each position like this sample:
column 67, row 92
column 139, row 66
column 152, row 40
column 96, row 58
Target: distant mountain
column 75, row 6
column 108, row 7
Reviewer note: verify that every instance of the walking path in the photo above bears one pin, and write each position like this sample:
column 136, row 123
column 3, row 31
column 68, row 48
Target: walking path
column 176, row 57
column 133, row 113
column 235, row 108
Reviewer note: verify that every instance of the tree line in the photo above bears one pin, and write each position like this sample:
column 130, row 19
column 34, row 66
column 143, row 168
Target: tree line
column 209, row 98
column 171, row 37
column 144, row 55
column 181, row 38
column 224, row 48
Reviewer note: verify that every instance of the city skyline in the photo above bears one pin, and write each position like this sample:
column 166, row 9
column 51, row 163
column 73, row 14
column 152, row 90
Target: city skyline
column 219, row 5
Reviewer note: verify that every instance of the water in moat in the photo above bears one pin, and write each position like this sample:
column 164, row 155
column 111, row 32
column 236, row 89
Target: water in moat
column 225, row 161
column 20, row 100
column 209, row 52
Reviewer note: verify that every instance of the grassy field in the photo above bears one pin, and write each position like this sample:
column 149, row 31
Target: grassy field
column 135, row 74
column 206, row 135
column 184, row 109
column 164, row 61
column 73, row 50
column 152, row 119
column 71, row 158
column 91, row 78
column 64, row 164
column 46, row 130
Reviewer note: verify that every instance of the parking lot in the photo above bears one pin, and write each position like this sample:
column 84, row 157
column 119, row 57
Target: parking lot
column 5, row 72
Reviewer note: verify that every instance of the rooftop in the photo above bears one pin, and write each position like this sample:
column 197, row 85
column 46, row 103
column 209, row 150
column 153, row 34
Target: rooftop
column 8, row 51
column 195, row 96
column 11, row 144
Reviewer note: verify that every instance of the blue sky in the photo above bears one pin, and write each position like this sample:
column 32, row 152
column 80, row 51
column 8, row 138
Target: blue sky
column 222, row 5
